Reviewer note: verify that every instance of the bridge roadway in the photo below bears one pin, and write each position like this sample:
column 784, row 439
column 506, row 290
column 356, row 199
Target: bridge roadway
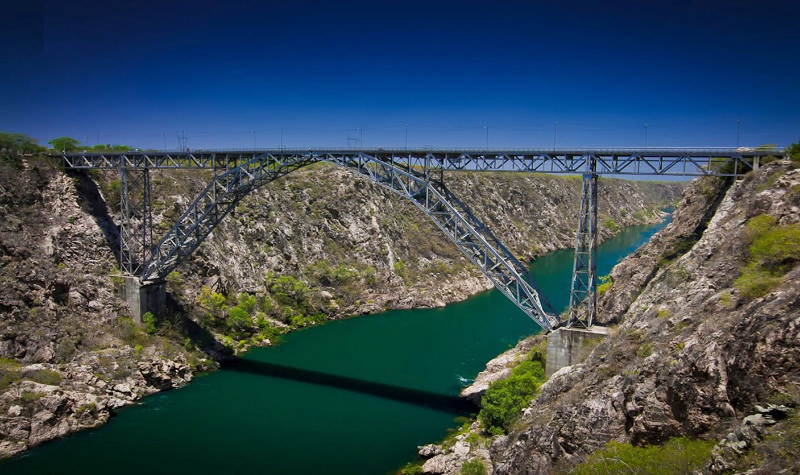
column 409, row 173
column 617, row 161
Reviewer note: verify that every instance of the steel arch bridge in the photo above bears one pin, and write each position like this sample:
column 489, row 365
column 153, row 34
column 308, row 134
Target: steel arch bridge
column 411, row 174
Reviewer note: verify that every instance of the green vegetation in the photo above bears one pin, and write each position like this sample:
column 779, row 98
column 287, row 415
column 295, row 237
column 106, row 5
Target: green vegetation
column 677, row 456
column 605, row 283
column 611, row 225
column 411, row 468
column 473, row 467
column 9, row 372
column 247, row 318
column 149, row 322
column 45, row 376
column 64, row 144
column 773, row 250
column 503, row 402
column 793, row 151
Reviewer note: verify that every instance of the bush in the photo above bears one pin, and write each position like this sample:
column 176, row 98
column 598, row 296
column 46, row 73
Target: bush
column 678, row 456
column 149, row 322
column 9, row 373
column 755, row 282
column 605, row 284
column 473, row 467
column 773, row 250
column 411, row 468
column 504, row 400
column 45, row 376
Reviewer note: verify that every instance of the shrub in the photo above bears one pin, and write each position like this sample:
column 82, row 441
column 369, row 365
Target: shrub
column 239, row 320
column 677, row 456
column 411, row 468
column 773, row 250
column 605, row 284
column 755, row 282
column 504, row 400
column 473, row 467
column 611, row 225
column 149, row 322
column 9, row 372
column 45, row 376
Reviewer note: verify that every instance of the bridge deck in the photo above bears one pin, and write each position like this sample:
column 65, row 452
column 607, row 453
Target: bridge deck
column 646, row 161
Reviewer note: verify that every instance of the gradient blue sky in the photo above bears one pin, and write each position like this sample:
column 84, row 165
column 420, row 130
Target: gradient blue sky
column 140, row 73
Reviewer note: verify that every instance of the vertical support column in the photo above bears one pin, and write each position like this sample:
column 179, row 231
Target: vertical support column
column 583, row 291
column 136, row 222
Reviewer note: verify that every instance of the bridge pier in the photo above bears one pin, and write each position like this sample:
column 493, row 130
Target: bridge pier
column 568, row 346
column 142, row 298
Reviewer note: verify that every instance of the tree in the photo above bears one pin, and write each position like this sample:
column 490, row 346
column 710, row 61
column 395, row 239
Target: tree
column 14, row 144
column 793, row 151
column 64, row 144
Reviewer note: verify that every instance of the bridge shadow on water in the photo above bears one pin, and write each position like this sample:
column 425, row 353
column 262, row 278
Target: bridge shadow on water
column 439, row 402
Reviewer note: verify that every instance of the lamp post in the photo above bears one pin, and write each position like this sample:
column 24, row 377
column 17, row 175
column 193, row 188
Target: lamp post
column 254, row 139
column 360, row 138
column 406, row 136
column 646, row 126
column 555, row 136
column 487, row 135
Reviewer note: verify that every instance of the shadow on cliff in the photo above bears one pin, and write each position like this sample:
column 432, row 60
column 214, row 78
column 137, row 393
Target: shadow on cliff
column 440, row 402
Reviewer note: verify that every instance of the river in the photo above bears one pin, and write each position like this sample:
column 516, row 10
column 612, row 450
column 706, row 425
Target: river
column 349, row 397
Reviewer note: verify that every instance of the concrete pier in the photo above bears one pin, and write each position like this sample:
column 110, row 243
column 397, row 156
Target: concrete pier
column 568, row 346
column 142, row 298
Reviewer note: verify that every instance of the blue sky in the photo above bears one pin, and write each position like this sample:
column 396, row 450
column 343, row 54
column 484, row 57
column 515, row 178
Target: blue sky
column 330, row 73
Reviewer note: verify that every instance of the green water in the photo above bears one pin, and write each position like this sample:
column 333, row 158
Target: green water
column 349, row 397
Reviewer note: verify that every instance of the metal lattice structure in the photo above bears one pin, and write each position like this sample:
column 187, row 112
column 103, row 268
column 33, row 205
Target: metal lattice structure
column 583, row 290
column 218, row 198
column 136, row 219
column 618, row 161
column 407, row 173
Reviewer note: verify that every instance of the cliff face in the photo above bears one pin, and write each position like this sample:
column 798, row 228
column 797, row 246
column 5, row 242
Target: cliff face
column 695, row 347
column 70, row 354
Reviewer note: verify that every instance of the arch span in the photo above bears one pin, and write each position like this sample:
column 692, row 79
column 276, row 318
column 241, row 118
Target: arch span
column 449, row 214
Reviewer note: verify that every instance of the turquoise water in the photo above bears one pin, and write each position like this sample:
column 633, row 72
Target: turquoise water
column 349, row 397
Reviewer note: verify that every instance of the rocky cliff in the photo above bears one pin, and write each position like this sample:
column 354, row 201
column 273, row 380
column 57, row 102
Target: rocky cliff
column 318, row 243
column 704, row 344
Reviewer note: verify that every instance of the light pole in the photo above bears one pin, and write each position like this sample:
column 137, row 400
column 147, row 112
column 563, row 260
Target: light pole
column 254, row 139
column 555, row 136
column 406, row 136
column 487, row 135
column 646, row 126
column 281, row 139
column 360, row 138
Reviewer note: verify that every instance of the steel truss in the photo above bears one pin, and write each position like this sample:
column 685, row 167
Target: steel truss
column 136, row 222
column 664, row 162
column 583, row 290
column 218, row 198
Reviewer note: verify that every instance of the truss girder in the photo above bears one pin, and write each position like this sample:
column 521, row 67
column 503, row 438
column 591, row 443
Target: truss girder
column 676, row 162
column 468, row 234
column 583, row 288
column 218, row 198
column 136, row 221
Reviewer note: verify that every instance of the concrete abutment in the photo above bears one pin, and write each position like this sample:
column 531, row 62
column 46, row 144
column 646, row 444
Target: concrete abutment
column 568, row 346
column 142, row 298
